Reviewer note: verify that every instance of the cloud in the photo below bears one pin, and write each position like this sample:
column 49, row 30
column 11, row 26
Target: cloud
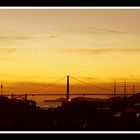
column 15, row 37
column 51, row 37
column 97, row 50
column 82, row 51
column 32, row 77
column 22, row 37
column 104, row 30
column 8, row 75
column 7, row 51
column 88, row 78
column 93, row 30
column 129, row 50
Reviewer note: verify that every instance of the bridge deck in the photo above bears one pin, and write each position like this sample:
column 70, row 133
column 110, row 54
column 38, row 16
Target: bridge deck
column 44, row 94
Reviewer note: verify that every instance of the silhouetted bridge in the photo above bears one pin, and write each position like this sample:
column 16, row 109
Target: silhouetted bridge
column 26, row 95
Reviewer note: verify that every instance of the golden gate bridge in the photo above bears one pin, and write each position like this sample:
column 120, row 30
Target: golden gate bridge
column 67, row 94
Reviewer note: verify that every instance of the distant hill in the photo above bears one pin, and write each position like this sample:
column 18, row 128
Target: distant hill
column 75, row 99
column 86, row 99
column 132, row 98
column 135, row 98
column 56, row 100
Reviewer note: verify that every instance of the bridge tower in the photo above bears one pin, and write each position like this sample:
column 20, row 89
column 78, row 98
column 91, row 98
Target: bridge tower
column 67, row 94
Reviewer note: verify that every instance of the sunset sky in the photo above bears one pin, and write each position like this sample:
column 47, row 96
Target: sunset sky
column 42, row 46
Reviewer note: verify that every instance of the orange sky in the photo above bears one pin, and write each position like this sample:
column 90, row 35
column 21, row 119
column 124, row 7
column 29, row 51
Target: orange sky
column 41, row 46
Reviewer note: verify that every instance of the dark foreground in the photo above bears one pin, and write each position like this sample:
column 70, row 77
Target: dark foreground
column 81, row 114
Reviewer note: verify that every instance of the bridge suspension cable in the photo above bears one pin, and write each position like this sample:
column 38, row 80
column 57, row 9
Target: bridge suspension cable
column 91, row 84
column 46, row 86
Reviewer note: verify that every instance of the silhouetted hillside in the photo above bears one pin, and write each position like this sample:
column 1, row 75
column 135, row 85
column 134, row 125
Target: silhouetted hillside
column 135, row 98
column 80, row 113
column 57, row 100
column 7, row 105
column 76, row 98
column 86, row 99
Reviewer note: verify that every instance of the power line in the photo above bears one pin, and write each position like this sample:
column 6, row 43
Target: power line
column 47, row 85
column 90, row 84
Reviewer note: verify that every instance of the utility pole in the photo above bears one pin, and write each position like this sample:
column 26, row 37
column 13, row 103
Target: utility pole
column 12, row 96
column 25, row 97
column 133, row 88
column 124, row 87
column 67, row 88
column 114, row 87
